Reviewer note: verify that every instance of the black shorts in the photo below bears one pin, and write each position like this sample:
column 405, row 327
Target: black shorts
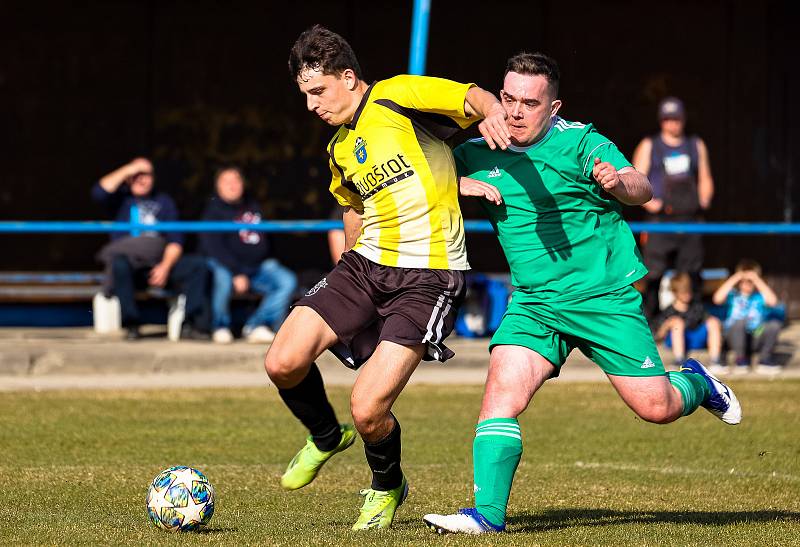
column 365, row 303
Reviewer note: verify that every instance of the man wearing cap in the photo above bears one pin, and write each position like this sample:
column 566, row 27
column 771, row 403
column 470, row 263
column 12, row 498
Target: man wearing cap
column 678, row 168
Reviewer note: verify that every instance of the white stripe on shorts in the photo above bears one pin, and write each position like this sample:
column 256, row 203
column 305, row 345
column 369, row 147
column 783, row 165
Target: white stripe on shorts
column 440, row 311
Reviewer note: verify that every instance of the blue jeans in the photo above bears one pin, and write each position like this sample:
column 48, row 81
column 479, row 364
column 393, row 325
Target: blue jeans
column 275, row 282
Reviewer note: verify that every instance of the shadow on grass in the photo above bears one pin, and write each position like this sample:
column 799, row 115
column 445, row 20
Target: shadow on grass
column 211, row 531
column 557, row 519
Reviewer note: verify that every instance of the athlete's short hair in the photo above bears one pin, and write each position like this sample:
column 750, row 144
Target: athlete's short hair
column 535, row 64
column 321, row 49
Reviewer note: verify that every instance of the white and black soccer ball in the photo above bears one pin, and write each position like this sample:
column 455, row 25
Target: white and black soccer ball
column 180, row 499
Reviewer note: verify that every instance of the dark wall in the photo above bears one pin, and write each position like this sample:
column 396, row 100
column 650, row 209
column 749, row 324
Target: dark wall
column 86, row 87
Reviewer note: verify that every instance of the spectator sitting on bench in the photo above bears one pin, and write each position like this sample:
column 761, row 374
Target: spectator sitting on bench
column 747, row 324
column 143, row 259
column 685, row 324
column 239, row 261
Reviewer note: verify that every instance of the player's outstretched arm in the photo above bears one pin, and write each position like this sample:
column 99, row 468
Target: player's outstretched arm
column 627, row 185
column 494, row 129
column 478, row 188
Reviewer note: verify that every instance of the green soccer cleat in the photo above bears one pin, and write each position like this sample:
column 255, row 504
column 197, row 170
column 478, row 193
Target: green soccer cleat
column 306, row 464
column 379, row 507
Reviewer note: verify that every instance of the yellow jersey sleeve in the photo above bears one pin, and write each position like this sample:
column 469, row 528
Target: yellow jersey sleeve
column 429, row 94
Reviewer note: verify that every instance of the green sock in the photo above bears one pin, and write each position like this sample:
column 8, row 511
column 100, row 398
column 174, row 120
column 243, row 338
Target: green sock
column 496, row 452
column 693, row 388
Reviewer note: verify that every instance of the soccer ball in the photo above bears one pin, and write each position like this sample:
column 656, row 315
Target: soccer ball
column 180, row 499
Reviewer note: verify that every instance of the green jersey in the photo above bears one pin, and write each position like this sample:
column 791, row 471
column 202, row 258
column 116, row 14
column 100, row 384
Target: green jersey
column 563, row 236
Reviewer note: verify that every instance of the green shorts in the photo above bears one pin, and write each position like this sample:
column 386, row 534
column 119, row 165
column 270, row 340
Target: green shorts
column 610, row 329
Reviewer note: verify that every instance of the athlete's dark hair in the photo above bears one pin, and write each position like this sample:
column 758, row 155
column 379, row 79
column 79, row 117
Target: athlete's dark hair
column 321, row 49
column 535, row 64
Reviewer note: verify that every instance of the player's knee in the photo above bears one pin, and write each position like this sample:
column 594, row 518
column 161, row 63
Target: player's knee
column 657, row 412
column 365, row 420
column 368, row 417
column 282, row 368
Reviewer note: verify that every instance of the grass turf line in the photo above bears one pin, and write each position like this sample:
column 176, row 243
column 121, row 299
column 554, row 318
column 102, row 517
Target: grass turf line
column 75, row 467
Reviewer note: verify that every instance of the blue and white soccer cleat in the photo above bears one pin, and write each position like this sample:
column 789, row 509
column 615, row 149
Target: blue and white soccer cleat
column 722, row 403
column 466, row 521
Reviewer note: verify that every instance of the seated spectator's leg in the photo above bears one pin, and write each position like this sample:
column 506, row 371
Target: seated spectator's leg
column 656, row 257
column 677, row 333
column 714, row 330
column 689, row 258
column 766, row 340
column 221, row 288
column 276, row 283
column 736, row 336
column 124, row 288
column 190, row 277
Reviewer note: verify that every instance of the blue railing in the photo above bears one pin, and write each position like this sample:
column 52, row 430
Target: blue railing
column 297, row 226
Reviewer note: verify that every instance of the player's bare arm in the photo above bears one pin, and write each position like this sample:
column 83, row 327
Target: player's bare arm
column 478, row 188
column 641, row 162
column 352, row 227
column 494, row 129
column 628, row 185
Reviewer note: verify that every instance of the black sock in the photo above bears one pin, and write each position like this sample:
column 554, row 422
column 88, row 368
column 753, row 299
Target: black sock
column 308, row 402
column 383, row 458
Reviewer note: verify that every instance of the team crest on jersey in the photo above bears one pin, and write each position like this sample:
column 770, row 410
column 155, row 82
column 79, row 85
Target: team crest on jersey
column 360, row 150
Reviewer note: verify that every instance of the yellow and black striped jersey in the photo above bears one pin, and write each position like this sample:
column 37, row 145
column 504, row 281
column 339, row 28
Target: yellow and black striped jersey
column 391, row 165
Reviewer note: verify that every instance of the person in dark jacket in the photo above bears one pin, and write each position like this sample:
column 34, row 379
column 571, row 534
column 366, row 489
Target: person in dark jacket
column 142, row 258
column 240, row 262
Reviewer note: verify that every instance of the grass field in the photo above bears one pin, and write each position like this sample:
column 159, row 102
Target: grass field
column 75, row 466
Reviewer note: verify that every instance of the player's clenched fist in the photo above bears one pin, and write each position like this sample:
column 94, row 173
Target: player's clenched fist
column 605, row 174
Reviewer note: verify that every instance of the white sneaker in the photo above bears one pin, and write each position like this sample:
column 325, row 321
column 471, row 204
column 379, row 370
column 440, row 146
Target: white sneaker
column 222, row 336
column 260, row 335
column 466, row 521
column 722, row 402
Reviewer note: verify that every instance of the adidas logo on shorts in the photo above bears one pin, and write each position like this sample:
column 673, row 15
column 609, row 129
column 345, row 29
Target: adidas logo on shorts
column 494, row 173
column 648, row 363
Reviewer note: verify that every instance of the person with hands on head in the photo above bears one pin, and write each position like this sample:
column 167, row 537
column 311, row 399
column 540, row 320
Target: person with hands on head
column 145, row 258
column 553, row 198
column 747, row 324
column 392, row 297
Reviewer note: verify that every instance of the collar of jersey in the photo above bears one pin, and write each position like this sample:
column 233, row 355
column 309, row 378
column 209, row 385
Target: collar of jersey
column 361, row 106
column 537, row 143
